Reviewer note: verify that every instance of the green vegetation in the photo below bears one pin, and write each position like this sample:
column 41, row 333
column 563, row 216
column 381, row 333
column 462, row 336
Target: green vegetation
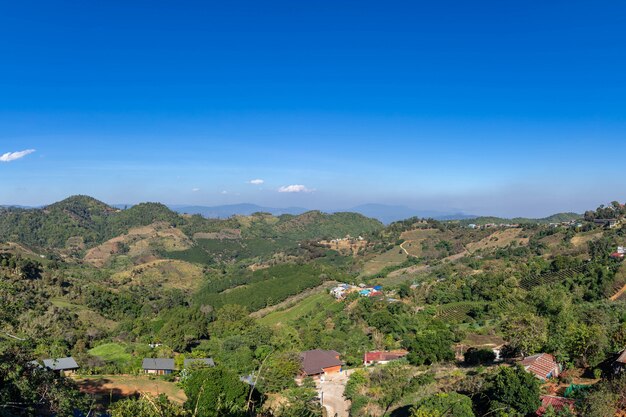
column 111, row 352
column 537, row 288
column 313, row 303
column 264, row 287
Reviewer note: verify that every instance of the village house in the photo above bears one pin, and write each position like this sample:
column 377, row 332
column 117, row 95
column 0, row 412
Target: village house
column 557, row 404
column 319, row 363
column 382, row 357
column 64, row 366
column 158, row 366
column 542, row 365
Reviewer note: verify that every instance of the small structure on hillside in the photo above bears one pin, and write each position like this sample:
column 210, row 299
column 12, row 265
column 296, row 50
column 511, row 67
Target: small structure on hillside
column 619, row 365
column 371, row 358
column 317, row 363
column 543, row 365
column 189, row 363
column 158, row 366
column 64, row 366
column 557, row 404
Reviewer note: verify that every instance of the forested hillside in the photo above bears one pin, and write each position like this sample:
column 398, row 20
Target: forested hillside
column 111, row 287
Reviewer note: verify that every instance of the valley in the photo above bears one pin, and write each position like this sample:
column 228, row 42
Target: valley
column 111, row 287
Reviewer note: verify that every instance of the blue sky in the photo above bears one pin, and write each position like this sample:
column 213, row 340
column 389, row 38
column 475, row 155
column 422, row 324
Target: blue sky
column 508, row 108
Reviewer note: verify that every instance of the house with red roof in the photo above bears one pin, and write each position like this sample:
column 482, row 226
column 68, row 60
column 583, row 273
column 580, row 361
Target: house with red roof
column 557, row 404
column 543, row 365
column 378, row 356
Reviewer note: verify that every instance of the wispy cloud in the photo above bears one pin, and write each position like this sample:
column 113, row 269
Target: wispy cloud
column 224, row 192
column 195, row 190
column 257, row 181
column 295, row 188
column 12, row 156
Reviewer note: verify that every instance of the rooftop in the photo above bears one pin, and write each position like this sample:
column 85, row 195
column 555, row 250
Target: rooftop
column 158, row 364
column 60, row 364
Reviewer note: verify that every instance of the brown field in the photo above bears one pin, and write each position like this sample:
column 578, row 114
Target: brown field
column 554, row 240
column 140, row 242
column 392, row 257
column 345, row 246
column 166, row 272
column 413, row 240
column 582, row 238
column 116, row 387
column 498, row 239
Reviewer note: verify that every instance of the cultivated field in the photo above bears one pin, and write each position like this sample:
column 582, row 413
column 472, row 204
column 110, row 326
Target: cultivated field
column 392, row 257
column 168, row 273
column 498, row 239
column 138, row 242
column 312, row 303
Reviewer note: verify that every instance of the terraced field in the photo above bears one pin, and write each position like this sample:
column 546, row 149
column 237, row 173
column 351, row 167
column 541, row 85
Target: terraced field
column 315, row 302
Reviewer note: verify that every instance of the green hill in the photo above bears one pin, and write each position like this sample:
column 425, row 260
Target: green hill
column 90, row 222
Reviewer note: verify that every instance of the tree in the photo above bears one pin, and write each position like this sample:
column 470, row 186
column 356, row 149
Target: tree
column 147, row 406
column 515, row 389
column 475, row 356
column 394, row 380
column 27, row 389
column 215, row 392
column 528, row 333
column 444, row 405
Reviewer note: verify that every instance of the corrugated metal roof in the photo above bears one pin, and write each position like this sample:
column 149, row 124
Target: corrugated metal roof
column 200, row 361
column 314, row 361
column 60, row 364
column 158, row 364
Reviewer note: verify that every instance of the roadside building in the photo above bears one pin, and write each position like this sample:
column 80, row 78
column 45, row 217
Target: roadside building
column 158, row 366
column 542, row 365
column 64, row 366
column 317, row 363
column 382, row 357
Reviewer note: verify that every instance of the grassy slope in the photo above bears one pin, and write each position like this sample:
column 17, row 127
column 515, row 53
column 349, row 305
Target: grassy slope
column 111, row 352
column 310, row 304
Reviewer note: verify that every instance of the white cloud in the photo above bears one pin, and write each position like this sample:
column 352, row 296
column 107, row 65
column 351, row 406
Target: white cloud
column 195, row 190
column 12, row 156
column 257, row 181
column 295, row 188
column 224, row 192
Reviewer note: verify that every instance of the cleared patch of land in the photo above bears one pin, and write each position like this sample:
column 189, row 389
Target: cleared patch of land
column 582, row 238
column 498, row 239
column 119, row 386
column 345, row 246
column 166, row 272
column 111, row 352
column 392, row 257
column 138, row 242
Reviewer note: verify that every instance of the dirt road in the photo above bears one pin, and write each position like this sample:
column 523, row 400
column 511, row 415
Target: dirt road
column 331, row 394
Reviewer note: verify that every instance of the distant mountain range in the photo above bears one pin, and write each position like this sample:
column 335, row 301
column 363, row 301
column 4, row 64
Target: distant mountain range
column 384, row 213
column 244, row 209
